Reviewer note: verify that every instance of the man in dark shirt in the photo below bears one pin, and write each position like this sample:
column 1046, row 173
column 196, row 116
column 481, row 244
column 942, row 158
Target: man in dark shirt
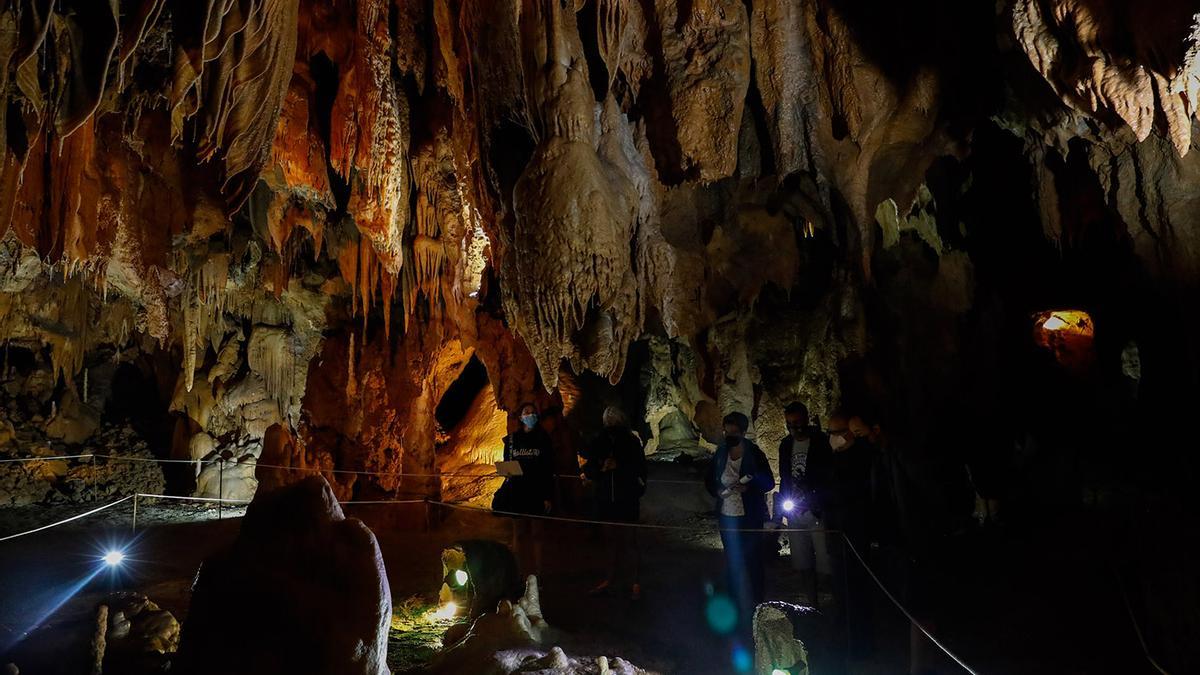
column 802, row 455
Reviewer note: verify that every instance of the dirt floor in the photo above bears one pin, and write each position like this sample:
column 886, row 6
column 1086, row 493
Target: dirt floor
column 1008, row 604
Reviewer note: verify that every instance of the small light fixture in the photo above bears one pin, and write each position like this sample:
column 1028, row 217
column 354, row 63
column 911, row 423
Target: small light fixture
column 114, row 558
column 460, row 577
column 788, row 505
column 446, row 611
column 779, row 671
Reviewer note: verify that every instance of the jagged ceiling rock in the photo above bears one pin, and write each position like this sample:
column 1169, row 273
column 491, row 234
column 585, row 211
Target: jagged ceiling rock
column 706, row 55
column 1130, row 63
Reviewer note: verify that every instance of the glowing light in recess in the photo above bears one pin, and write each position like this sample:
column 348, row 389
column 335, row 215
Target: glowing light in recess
column 446, row 611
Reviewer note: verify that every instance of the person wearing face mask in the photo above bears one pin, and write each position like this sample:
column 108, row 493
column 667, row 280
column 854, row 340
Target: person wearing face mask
column 845, row 499
column 616, row 466
column 531, row 492
column 739, row 479
column 803, row 455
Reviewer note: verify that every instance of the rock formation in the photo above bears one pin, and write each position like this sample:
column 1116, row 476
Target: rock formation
column 299, row 573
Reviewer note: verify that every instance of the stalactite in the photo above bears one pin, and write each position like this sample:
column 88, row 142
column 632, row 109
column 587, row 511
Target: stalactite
column 271, row 354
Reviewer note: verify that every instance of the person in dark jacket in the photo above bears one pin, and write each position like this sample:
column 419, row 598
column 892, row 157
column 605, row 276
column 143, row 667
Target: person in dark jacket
column 845, row 499
column 739, row 479
column 616, row 466
column 531, row 492
column 804, row 455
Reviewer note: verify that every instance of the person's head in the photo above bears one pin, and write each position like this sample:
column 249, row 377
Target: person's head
column 840, row 436
column 527, row 414
column 614, row 418
column 736, row 425
column 796, row 415
column 865, row 426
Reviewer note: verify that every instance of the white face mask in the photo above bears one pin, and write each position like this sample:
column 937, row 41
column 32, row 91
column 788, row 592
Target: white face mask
column 837, row 442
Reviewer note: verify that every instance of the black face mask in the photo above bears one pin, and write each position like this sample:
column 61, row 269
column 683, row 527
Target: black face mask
column 731, row 441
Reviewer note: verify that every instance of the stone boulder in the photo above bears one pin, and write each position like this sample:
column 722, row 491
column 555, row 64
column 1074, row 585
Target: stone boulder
column 301, row 590
column 787, row 637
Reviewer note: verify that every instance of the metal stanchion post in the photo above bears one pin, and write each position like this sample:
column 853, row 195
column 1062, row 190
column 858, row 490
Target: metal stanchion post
column 220, row 487
column 133, row 525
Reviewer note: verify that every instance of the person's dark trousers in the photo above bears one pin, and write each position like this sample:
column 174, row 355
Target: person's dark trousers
column 743, row 564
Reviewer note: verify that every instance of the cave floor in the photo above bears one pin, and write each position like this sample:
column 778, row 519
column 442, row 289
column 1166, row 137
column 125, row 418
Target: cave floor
column 1008, row 605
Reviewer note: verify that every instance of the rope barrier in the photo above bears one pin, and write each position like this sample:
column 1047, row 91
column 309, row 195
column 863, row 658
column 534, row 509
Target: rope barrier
column 193, row 499
column 67, row 520
column 645, row 526
column 1136, row 627
column 43, row 459
column 388, row 474
column 904, row 611
column 183, row 498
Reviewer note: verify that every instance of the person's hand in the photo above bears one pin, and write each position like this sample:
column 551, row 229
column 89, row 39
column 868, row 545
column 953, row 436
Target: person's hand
column 583, row 477
column 740, row 488
column 610, row 464
column 546, row 505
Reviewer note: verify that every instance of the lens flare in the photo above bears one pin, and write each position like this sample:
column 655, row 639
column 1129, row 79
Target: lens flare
column 742, row 661
column 460, row 577
column 721, row 614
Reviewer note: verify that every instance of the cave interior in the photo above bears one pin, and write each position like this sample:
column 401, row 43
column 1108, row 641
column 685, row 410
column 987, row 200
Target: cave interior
column 293, row 253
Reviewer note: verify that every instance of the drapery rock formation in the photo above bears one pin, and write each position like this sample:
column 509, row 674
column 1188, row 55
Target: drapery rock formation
column 286, row 227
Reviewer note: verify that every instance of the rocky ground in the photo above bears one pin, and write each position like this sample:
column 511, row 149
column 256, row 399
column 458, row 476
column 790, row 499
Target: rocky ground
column 74, row 429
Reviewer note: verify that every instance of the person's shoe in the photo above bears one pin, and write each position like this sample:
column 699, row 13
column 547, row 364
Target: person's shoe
column 635, row 592
column 601, row 588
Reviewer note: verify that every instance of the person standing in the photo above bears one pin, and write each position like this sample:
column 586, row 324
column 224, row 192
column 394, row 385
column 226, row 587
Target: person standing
column 616, row 464
column 845, row 497
column 739, row 479
column 803, row 455
column 532, row 492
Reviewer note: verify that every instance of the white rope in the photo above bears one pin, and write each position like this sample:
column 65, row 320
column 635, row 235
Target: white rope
column 43, row 459
column 1137, row 628
column 645, row 526
column 194, row 499
column 67, row 520
column 247, row 501
column 906, row 613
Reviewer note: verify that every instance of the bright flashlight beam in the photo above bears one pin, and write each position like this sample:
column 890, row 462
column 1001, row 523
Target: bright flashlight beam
column 788, row 505
column 114, row 558
column 55, row 603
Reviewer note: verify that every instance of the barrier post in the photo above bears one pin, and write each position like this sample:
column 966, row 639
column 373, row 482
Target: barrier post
column 221, row 487
column 133, row 525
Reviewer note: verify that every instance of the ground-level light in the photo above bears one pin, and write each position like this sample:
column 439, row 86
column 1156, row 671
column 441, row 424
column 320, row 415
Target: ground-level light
column 446, row 611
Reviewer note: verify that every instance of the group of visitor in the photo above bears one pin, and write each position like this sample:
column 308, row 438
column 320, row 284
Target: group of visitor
column 842, row 481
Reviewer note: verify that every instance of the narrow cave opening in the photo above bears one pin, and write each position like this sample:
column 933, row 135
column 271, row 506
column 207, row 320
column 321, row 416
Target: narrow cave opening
column 457, row 400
